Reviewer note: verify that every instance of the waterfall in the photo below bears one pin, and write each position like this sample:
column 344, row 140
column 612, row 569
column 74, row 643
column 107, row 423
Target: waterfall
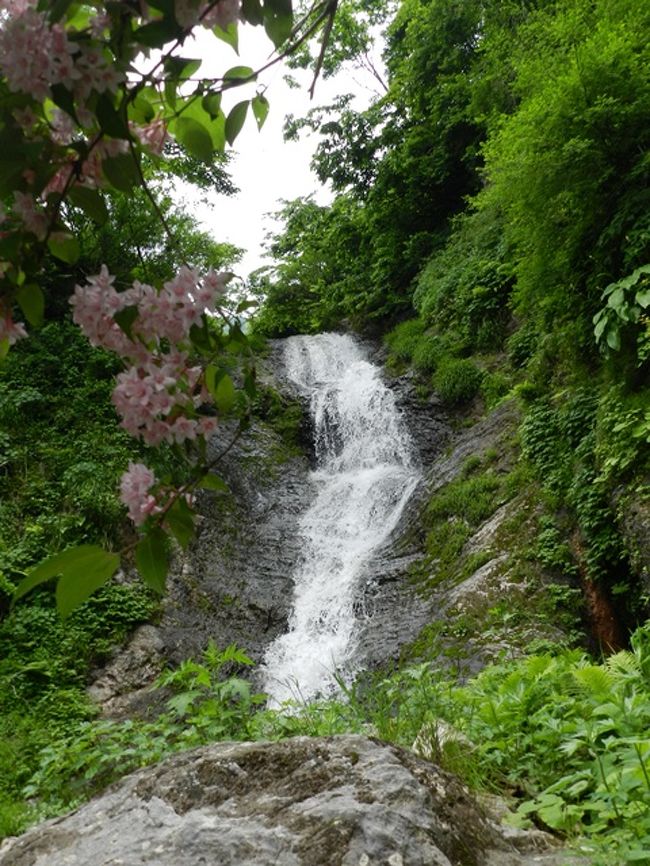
column 363, row 478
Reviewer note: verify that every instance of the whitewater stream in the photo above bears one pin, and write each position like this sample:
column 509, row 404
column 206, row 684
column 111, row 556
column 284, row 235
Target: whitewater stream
column 365, row 473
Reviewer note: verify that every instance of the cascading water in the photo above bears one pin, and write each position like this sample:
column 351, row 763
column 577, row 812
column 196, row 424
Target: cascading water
column 364, row 478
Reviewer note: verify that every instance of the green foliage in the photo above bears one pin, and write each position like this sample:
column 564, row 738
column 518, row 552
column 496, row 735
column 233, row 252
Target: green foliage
column 457, row 380
column 453, row 514
column 405, row 338
column 568, row 167
column 566, row 738
column 318, row 276
column 627, row 301
column 466, row 285
column 206, row 704
column 560, row 442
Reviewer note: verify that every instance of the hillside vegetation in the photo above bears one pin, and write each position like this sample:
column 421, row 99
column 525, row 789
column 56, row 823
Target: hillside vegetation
column 491, row 224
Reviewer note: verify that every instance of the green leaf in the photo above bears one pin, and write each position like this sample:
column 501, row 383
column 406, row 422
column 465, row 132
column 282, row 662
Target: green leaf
column 181, row 68
column 211, row 103
column 616, row 299
column 4, row 348
column 260, row 105
column 224, row 394
column 125, row 319
column 121, row 172
column 235, row 121
column 180, row 520
column 65, row 247
column 194, row 137
column 213, row 482
column 195, row 110
column 252, row 12
column 170, row 93
column 152, row 559
column 31, row 301
column 82, row 577
column 614, row 339
column 110, row 119
column 62, row 97
column 158, row 33
column 642, row 298
column 238, row 72
column 75, row 561
column 230, row 35
column 211, row 378
column 90, row 202
column 141, row 110
column 278, row 23
column 58, row 9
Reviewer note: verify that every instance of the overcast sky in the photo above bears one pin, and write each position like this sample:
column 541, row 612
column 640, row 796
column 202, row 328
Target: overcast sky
column 265, row 167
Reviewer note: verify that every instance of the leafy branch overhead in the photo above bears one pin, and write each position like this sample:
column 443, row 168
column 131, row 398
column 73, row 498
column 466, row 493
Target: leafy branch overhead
column 108, row 97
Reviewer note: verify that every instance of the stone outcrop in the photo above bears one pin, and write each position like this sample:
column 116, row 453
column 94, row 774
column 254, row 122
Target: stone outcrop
column 336, row 801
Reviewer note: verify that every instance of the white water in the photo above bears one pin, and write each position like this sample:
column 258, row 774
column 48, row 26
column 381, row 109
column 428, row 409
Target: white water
column 363, row 480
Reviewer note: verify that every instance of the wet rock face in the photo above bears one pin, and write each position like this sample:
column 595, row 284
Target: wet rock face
column 335, row 801
column 235, row 582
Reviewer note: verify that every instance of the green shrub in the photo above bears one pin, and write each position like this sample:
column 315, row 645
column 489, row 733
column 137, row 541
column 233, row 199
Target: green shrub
column 403, row 340
column 522, row 345
column 494, row 387
column 457, row 380
column 428, row 353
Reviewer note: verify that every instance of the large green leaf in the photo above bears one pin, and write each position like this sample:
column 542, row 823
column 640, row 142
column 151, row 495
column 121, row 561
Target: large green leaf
column 213, row 482
column 278, row 21
column 237, row 73
column 31, row 301
column 252, row 12
column 230, row 35
column 121, row 172
column 260, row 106
column 110, row 119
column 152, row 559
column 180, row 520
column 91, row 203
column 65, row 247
column 158, row 33
column 235, row 121
column 224, row 394
column 86, row 562
column 194, row 137
column 84, row 576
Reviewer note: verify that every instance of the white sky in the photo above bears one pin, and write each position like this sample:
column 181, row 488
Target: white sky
column 264, row 167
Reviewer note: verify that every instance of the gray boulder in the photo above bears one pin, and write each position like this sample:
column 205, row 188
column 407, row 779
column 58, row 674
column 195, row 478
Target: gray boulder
column 334, row 801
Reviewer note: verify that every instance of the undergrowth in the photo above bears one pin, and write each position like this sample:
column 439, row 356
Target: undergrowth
column 564, row 738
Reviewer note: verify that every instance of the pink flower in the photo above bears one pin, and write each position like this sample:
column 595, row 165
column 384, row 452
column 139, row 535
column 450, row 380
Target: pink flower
column 135, row 485
column 10, row 330
column 33, row 217
column 223, row 14
column 153, row 135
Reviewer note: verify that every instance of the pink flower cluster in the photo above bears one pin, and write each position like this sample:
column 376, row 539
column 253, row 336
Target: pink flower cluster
column 10, row 330
column 159, row 395
column 155, row 399
column 135, row 486
column 191, row 12
column 35, row 55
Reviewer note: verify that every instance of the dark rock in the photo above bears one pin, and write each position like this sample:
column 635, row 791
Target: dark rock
column 335, row 801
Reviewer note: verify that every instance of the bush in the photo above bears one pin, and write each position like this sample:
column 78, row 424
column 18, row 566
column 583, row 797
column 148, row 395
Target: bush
column 428, row 354
column 403, row 340
column 457, row 380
